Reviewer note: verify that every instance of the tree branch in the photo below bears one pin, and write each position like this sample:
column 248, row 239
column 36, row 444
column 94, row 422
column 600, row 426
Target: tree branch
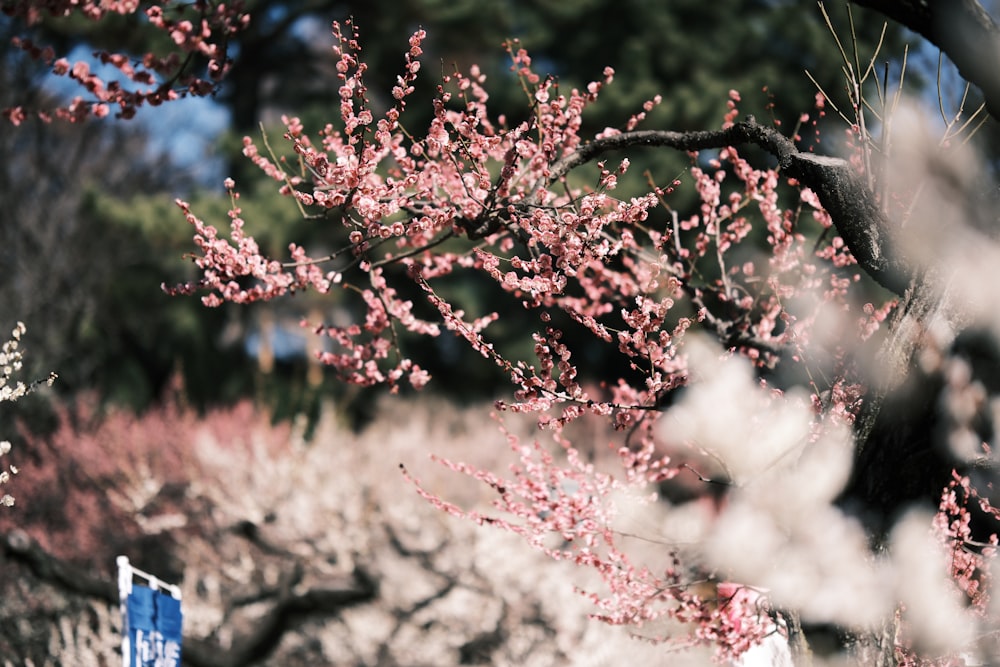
column 280, row 618
column 851, row 204
column 964, row 32
column 18, row 546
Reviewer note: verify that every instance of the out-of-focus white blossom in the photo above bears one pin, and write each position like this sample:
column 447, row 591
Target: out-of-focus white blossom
column 726, row 414
column 947, row 231
column 779, row 529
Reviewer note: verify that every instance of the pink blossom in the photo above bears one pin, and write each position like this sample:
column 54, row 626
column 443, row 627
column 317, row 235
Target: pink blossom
column 136, row 85
column 467, row 193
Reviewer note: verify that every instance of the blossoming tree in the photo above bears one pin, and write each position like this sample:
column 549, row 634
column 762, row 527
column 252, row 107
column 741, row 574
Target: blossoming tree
column 762, row 397
column 789, row 531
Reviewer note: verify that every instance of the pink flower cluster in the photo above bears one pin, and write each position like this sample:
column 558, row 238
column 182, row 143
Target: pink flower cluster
column 971, row 556
column 200, row 29
column 475, row 194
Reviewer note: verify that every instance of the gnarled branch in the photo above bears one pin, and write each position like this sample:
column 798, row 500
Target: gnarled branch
column 843, row 193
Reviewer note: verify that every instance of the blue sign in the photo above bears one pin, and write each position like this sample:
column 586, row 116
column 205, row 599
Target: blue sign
column 152, row 629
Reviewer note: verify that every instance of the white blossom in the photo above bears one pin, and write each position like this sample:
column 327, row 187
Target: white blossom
column 10, row 363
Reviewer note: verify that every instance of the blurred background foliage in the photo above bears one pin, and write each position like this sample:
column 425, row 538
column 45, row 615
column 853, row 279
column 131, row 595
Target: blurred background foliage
column 88, row 229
